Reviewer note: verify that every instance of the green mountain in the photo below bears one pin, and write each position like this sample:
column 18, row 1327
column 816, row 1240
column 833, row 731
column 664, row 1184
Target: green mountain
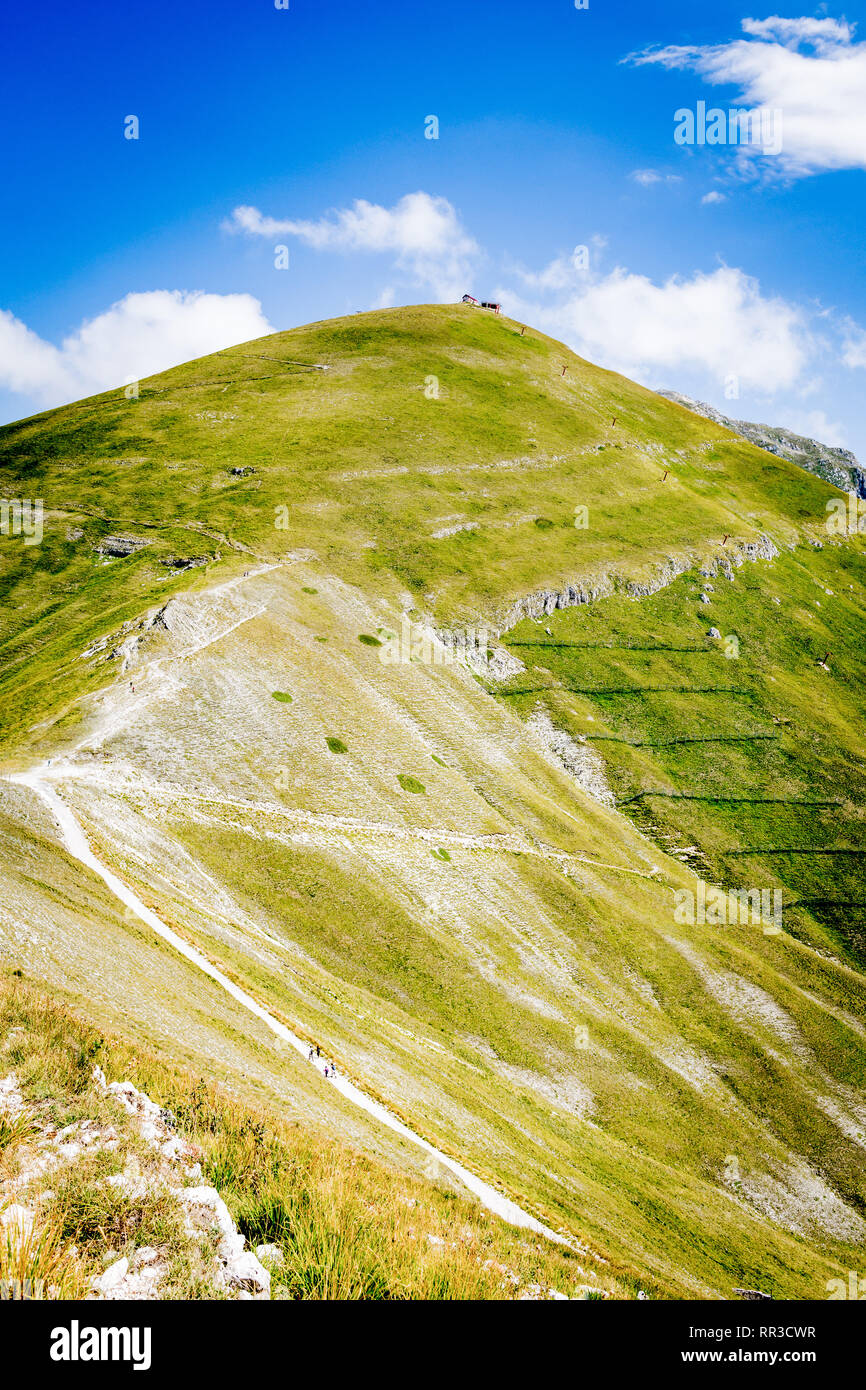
column 412, row 670
column 838, row 466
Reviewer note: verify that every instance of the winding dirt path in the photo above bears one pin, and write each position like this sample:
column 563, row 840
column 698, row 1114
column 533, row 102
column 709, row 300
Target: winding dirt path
column 76, row 842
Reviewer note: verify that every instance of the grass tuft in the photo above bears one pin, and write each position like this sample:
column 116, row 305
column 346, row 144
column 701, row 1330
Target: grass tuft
column 410, row 784
column 347, row 1226
column 39, row 1265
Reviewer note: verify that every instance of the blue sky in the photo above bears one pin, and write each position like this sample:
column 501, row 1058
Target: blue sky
column 734, row 274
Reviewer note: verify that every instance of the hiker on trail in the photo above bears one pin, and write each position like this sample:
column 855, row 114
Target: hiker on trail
column 311, row 1056
column 318, row 1050
column 326, row 1070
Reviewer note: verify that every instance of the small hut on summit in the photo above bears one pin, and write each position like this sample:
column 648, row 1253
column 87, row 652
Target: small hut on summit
column 482, row 304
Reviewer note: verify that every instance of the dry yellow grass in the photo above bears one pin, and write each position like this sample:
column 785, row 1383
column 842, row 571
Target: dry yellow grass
column 347, row 1227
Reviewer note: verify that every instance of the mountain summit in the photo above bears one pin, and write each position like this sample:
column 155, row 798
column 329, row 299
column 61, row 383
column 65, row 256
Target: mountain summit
column 407, row 692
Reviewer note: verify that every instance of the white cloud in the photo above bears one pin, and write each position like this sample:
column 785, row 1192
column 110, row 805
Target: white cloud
column 821, row 92
column 820, row 34
column 703, row 334
column 137, row 337
column 854, row 346
column 814, row 424
column 647, row 177
column 713, row 197
column 718, row 324
column 557, row 275
column 423, row 232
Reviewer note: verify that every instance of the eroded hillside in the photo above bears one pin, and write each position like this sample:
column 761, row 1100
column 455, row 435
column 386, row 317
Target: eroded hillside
column 434, row 868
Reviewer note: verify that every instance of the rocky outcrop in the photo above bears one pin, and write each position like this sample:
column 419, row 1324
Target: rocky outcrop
column 493, row 661
column 119, row 547
column 135, row 1278
column 544, row 601
column 578, row 759
column 187, row 623
column 166, row 1170
column 499, row 664
column 188, row 562
column 837, row 466
column 239, row 1269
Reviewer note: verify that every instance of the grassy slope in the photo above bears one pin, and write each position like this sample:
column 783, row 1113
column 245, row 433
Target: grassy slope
column 455, row 988
column 755, row 758
column 348, row 1227
column 368, row 468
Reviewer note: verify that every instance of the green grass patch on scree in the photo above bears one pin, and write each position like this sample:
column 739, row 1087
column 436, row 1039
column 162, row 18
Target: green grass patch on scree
column 410, row 784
